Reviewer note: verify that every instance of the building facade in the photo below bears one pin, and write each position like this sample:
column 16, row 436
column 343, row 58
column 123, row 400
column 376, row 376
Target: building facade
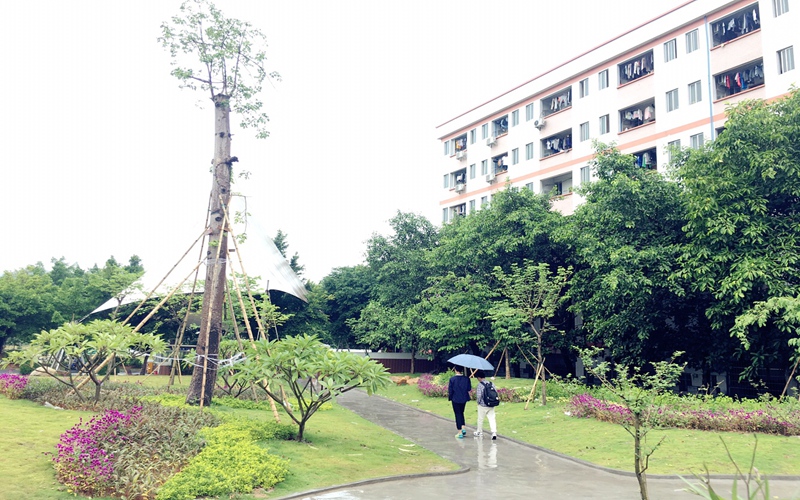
column 664, row 83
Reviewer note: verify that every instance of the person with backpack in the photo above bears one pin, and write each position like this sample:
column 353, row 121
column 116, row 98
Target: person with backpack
column 487, row 398
column 458, row 394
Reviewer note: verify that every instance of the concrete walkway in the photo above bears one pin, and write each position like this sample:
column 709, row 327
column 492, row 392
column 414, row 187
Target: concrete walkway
column 502, row 469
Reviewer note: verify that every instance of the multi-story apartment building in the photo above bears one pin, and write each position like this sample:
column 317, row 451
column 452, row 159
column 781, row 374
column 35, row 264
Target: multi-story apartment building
column 664, row 83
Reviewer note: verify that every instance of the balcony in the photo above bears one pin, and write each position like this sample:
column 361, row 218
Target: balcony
column 638, row 115
column 500, row 164
column 741, row 78
column 556, row 102
column 646, row 159
column 500, row 126
column 557, row 143
column 635, row 68
column 734, row 25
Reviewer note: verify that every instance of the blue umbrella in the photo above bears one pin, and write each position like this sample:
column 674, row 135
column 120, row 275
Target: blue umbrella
column 470, row 361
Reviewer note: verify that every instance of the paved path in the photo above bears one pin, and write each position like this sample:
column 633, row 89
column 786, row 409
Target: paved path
column 502, row 469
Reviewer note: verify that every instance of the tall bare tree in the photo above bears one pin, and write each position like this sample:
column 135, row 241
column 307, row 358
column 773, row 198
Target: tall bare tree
column 224, row 57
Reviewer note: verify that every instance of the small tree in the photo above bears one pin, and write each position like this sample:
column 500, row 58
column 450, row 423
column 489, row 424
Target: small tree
column 533, row 296
column 84, row 349
column 639, row 392
column 313, row 373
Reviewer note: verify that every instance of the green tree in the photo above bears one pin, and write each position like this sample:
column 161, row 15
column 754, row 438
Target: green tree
column 532, row 296
column 624, row 242
column 347, row 290
column 313, row 374
column 26, row 304
column 226, row 58
column 742, row 199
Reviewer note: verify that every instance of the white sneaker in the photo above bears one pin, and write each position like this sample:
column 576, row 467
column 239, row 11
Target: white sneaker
column 494, row 436
column 477, row 434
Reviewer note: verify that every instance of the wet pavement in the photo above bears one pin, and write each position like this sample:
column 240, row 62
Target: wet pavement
column 504, row 468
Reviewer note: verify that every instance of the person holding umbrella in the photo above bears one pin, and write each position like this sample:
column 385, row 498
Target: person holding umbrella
column 458, row 394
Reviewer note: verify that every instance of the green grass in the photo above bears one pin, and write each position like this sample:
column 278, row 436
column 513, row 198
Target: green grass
column 609, row 445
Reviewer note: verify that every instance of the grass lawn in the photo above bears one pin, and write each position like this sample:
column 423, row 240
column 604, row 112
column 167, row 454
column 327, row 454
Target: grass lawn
column 609, row 445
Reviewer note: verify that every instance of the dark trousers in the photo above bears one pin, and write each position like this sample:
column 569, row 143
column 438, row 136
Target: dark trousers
column 458, row 409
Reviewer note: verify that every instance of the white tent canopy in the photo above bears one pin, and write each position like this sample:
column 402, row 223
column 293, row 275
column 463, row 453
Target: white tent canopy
column 262, row 262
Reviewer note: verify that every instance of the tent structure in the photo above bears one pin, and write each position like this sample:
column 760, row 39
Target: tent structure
column 262, row 260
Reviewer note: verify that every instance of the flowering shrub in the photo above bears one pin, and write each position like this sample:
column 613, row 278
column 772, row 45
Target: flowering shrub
column 430, row 388
column 12, row 386
column 769, row 420
column 128, row 454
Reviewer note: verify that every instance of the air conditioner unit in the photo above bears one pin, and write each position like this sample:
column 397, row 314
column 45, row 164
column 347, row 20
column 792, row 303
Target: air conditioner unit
column 460, row 187
column 461, row 155
column 539, row 123
column 490, row 177
column 491, row 141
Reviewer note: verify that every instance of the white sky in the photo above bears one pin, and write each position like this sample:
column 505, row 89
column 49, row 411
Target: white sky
column 104, row 155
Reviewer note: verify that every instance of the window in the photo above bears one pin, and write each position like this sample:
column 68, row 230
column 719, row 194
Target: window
column 736, row 24
column 785, row 60
column 484, row 201
column 556, row 101
column 695, row 92
column 446, row 148
column 446, row 180
column 696, row 140
column 605, row 126
column 515, row 118
column 639, row 66
column 515, row 156
column 529, row 112
column 584, row 175
column 673, row 147
column 672, row 100
column 583, row 88
column 484, row 167
column 529, row 151
column 735, row 80
column 445, row 214
column 670, row 50
column 473, row 136
column 529, row 186
column 584, row 131
column 499, row 164
column 460, row 143
column 691, row 41
column 602, row 79
column 500, row 126
column 471, row 206
column 646, row 158
column 780, row 7
column 472, row 171
column 484, row 131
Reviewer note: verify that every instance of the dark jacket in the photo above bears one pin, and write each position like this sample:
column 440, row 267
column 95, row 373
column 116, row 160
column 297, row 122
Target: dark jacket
column 458, row 389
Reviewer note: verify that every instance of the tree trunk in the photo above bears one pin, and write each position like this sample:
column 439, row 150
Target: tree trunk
column 508, row 365
column 637, row 452
column 204, row 375
column 412, row 363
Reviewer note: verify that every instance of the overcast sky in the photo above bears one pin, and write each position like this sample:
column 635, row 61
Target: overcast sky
column 104, row 155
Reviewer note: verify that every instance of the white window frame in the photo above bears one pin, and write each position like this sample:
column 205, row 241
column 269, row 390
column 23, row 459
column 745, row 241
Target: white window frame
column 672, row 100
column 605, row 124
column 529, row 186
column 472, row 171
column 484, row 201
column 446, row 181
column 780, row 7
column 484, row 131
column 529, row 112
column 695, row 92
column 672, row 146
column 445, row 214
column 447, row 148
column 696, row 140
column 692, row 41
column 670, row 50
column 529, row 151
column 515, row 156
column 602, row 79
column 585, row 174
column 484, row 167
column 473, row 136
column 584, row 131
column 786, row 59
column 583, row 88
column 515, row 118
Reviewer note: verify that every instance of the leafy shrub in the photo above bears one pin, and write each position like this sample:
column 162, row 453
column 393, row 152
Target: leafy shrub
column 428, row 386
column 26, row 369
column 128, row 454
column 230, row 463
column 444, row 377
column 12, row 386
column 729, row 415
